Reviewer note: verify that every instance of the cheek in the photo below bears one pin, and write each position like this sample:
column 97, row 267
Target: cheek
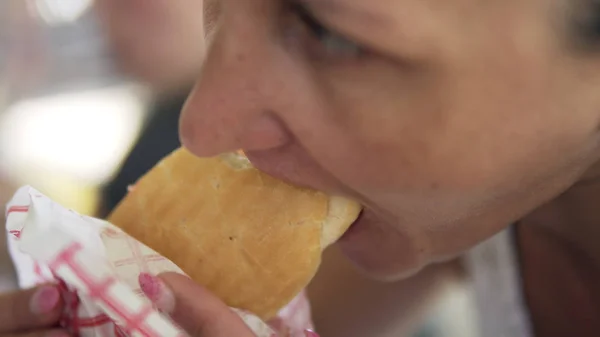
column 458, row 136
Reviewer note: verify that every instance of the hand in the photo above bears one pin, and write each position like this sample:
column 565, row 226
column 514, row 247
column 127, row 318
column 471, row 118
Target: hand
column 194, row 308
column 31, row 313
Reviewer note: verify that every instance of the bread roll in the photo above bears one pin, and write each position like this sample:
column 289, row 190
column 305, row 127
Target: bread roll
column 253, row 240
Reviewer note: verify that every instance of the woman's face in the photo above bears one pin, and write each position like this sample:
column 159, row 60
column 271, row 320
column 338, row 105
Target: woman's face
column 446, row 119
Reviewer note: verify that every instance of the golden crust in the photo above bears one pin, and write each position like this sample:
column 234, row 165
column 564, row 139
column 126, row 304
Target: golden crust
column 341, row 214
column 251, row 239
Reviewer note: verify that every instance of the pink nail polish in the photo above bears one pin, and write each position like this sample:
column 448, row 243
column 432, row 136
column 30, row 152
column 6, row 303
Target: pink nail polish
column 44, row 300
column 309, row 333
column 150, row 285
column 157, row 292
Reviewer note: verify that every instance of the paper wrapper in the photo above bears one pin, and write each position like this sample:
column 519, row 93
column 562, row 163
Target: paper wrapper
column 97, row 267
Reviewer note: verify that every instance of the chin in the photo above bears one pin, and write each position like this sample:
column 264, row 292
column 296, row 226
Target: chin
column 383, row 271
column 380, row 251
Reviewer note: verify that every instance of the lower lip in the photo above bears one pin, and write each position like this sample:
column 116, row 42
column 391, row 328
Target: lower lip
column 354, row 227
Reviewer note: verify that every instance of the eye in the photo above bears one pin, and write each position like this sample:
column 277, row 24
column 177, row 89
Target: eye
column 332, row 42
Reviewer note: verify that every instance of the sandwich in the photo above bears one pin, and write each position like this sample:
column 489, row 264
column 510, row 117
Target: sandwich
column 253, row 240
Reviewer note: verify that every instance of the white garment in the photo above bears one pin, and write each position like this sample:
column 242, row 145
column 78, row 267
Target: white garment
column 494, row 269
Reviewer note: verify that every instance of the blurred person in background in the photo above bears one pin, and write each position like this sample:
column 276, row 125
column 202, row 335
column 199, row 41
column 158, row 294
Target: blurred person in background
column 160, row 44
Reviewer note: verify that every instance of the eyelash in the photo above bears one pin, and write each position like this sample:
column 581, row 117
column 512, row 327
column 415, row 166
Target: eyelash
column 331, row 42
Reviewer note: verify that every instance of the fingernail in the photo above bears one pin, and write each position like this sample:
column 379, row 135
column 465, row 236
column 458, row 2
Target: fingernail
column 44, row 300
column 157, row 292
column 310, row 333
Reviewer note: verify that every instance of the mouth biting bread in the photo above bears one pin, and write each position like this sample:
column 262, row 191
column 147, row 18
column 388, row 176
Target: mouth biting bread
column 251, row 239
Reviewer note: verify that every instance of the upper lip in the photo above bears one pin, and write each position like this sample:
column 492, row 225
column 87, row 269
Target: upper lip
column 278, row 174
column 292, row 178
column 283, row 177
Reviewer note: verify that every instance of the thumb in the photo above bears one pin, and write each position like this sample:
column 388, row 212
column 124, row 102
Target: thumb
column 195, row 309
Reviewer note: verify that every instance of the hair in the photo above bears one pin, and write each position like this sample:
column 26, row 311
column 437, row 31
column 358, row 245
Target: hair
column 593, row 26
column 585, row 20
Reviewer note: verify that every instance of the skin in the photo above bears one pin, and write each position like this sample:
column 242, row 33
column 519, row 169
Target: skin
column 160, row 43
column 465, row 143
column 449, row 122
column 346, row 303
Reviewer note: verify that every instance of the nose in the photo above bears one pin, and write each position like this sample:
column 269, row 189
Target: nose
column 231, row 106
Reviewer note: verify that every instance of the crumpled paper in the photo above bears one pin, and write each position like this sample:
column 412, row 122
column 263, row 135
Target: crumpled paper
column 97, row 267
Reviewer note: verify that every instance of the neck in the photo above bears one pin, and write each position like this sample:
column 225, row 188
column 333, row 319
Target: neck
column 560, row 260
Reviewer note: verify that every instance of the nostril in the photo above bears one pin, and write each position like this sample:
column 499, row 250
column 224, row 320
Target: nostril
column 264, row 132
column 204, row 136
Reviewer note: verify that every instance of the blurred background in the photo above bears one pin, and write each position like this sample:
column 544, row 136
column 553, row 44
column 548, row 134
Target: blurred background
column 90, row 94
column 68, row 117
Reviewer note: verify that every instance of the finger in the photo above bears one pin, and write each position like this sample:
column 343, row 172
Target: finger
column 194, row 308
column 41, row 333
column 30, row 309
